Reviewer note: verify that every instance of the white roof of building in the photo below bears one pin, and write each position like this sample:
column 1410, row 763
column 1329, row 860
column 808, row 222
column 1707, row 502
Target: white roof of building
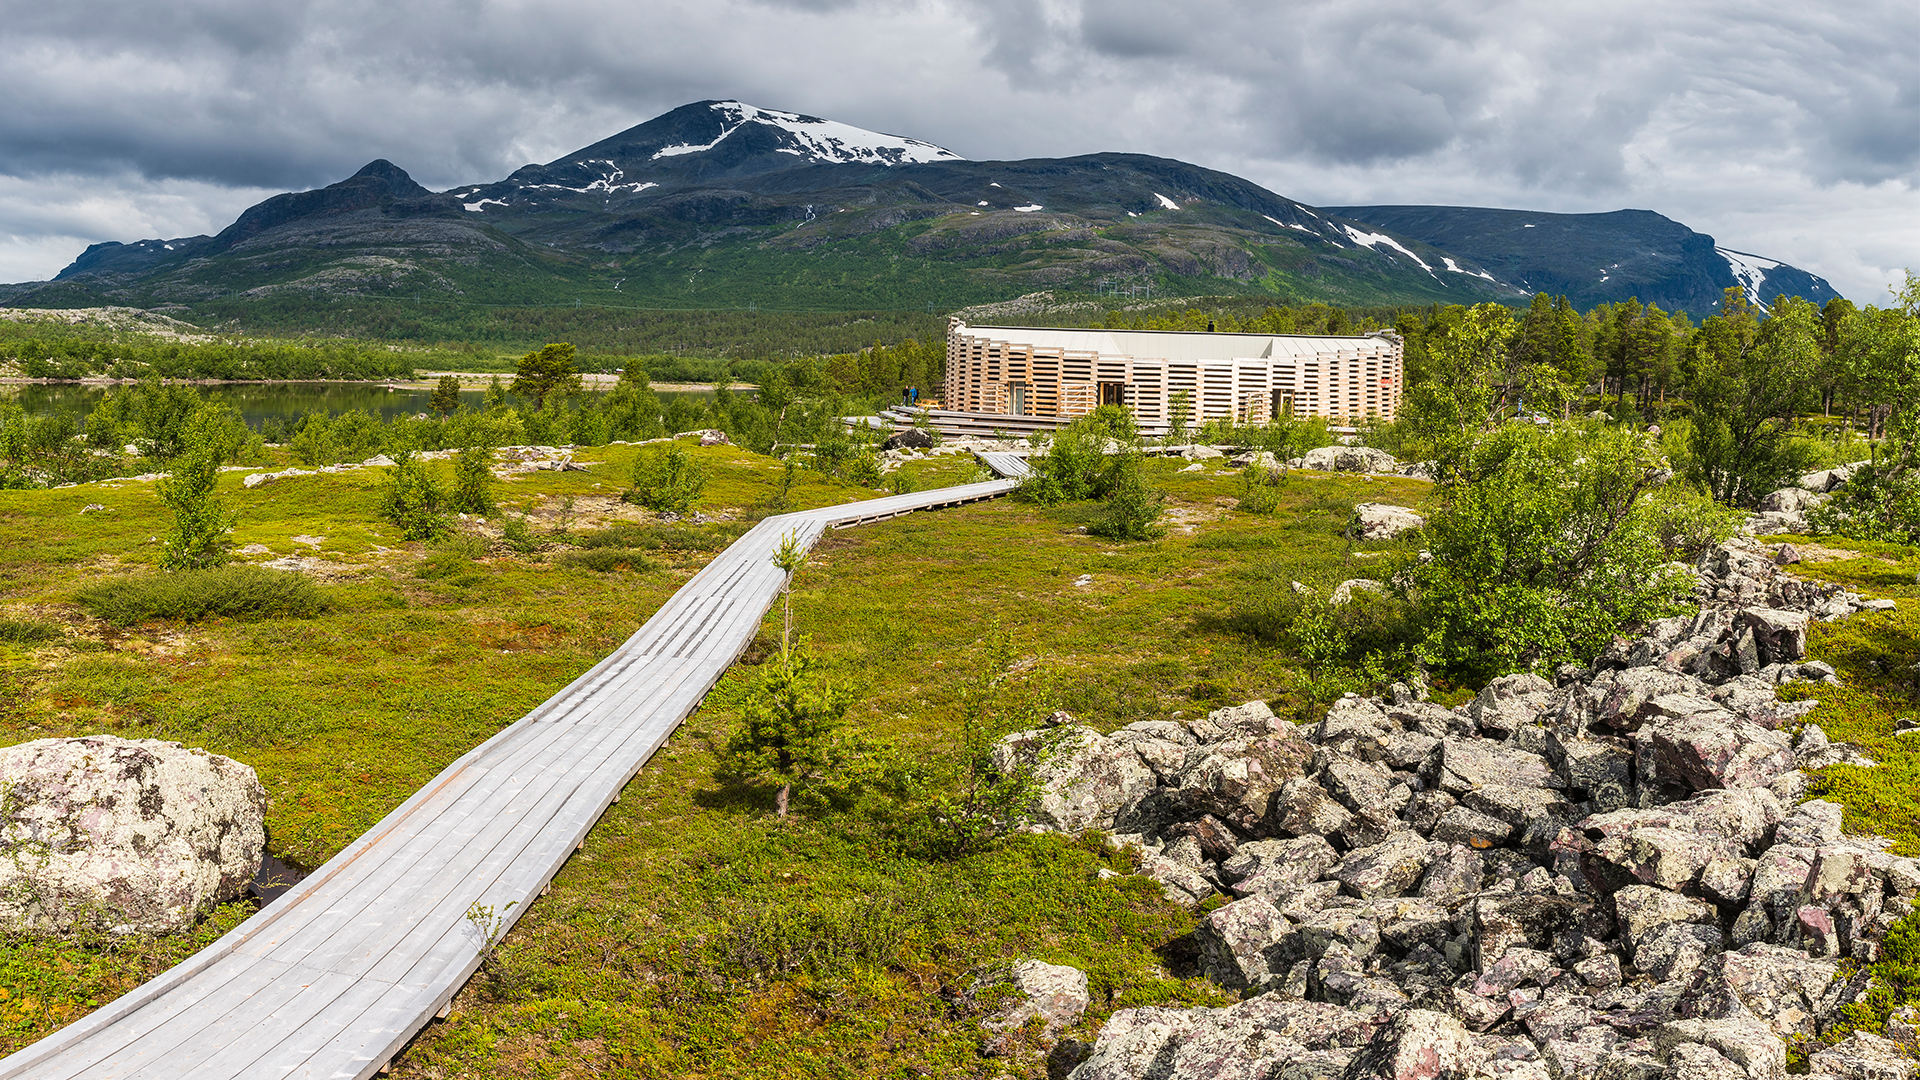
column 1178, row 346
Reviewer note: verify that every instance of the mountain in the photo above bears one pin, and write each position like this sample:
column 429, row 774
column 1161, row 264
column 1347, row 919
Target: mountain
column 1595, row 258
column 722, row 204
column 725, row 204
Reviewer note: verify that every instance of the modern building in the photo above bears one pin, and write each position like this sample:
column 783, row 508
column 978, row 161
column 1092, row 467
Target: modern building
column 1028, row 377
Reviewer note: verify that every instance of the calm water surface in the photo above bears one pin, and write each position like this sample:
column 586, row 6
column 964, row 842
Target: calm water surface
column 256, row 402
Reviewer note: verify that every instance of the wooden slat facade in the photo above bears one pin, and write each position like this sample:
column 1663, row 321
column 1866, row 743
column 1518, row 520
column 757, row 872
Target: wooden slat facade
column 1037, row 374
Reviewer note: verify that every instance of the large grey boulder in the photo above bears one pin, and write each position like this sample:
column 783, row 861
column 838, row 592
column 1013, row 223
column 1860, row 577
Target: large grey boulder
column 1242, row 943
column 1384, row 521
column 1783, row 988
column 1716, row 750
column 1509, row 703
column 1790, row 500
column 1862, row 1056
column 1054, row 994
column 1349, row 459
column 1830, row 479
column 1265, row 1036
column 910, row 439
column 124, row 834
column 1086, row 778
column 1419, row 1045
column 1747, row 1044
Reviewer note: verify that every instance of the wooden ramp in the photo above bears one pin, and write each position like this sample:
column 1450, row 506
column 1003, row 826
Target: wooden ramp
column 335, row 976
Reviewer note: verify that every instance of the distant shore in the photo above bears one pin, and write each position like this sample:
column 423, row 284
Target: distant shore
column 424, row 380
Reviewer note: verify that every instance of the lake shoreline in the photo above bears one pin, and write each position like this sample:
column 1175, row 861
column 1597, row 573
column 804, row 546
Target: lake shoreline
column 423, row 381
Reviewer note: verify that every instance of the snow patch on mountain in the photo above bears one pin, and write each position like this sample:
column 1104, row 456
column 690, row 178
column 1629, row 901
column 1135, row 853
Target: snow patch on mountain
column 1028, row 209
column 818, row 140
column 1458, row 269
column 1368, row 240
column 1166, row 202
column 1749, row 270
column 1287, row 224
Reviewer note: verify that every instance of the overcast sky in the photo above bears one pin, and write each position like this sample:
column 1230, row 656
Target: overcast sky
column 1786, row 128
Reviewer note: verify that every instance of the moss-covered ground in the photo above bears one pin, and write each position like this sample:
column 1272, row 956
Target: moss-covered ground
column 696, row 934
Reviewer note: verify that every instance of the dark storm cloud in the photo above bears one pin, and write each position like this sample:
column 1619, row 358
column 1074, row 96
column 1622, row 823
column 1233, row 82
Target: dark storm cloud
column 160, row 117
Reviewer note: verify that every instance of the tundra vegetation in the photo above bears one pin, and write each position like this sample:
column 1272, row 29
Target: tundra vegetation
column 699, row 932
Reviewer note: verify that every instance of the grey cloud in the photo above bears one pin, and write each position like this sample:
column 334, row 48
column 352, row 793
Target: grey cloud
column 1679, row 107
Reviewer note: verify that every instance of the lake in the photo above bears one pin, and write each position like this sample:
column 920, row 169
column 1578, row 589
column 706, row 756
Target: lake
column 257, row 402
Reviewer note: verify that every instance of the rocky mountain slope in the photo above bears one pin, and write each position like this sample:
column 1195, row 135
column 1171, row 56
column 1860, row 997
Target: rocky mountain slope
column 1599, row 258
column 725, row 204
column 722, row 203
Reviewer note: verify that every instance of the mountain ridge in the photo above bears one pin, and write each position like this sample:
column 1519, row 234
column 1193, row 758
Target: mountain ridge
column 1639, row 253
column 725, row 203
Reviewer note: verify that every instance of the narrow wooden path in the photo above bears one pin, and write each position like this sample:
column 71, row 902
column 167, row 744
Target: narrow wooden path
column 335, row 976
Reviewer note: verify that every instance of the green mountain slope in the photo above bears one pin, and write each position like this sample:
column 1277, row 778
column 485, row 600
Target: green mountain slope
column 719, row 204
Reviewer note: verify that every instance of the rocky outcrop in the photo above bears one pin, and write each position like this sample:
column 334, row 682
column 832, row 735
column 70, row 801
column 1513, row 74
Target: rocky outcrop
column 1381, row 521
column 1051, row 997
column 910, row 439
column 1606, row 874
column 1364, row 459
column 1785, row 510
column 128, row 835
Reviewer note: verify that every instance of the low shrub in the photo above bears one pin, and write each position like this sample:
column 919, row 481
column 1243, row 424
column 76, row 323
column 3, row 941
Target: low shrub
column 667, row 480
column 1878, row 503
column 1259, row 490
column 413, row 499
column 519, row 535
column 446, row 563
column 227, row 592
column 27, row 631
column 658, row 537
column 1131, row 507
column 605, row 560
column 473, row 479
column 1688, row 522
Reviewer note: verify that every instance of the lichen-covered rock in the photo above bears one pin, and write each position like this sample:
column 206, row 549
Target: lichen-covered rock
column 1747, row 1044
column 1349, row 459
column 133, row 834
column 1054, row 994
column 1707, row 751
column 1862, row 1056
column 1086, row 778
column 1242, row 943
column 1259, row 1037
column 1382, row 521
column 1418, row 1045
column 1780, row 987
column 1510, row 703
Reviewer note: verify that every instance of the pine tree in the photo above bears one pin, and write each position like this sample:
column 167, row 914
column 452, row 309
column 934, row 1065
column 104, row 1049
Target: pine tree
column 549, row 371
column 446, row 396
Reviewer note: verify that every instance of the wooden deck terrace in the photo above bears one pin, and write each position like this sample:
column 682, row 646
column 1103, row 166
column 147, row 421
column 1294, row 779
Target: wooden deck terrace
column 334, row 977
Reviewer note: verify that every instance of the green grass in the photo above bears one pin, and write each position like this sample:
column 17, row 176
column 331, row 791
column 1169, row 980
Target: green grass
column 27, row 631
column 227, row 592
column 695, row 935
column 1874, row 655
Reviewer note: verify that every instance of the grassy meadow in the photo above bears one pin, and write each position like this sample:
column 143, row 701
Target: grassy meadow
column 696, row 935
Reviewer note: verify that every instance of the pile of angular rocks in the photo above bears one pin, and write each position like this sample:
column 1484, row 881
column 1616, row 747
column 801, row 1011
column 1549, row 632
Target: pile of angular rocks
column 1785, row 510
column 1610, row 875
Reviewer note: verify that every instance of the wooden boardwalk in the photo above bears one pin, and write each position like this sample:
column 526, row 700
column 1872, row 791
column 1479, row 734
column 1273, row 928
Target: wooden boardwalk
column 335, row 976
